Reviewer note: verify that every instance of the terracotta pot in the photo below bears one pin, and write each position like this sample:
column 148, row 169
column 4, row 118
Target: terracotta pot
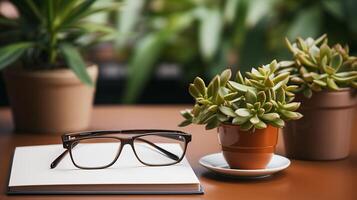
column 49, row 101
column 324, row 131
column 247, row 150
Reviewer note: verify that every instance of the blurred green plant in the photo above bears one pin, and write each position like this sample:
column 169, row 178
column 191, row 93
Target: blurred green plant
column 316, row 65
column 205, row 36
column 262, row 98
column 49, row 34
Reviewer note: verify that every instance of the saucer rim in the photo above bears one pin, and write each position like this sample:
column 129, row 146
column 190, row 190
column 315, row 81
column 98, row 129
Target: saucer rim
column 276, row 169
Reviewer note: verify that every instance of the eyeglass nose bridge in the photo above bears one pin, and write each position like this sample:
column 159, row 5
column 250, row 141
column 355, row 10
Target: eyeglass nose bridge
column 125, row 141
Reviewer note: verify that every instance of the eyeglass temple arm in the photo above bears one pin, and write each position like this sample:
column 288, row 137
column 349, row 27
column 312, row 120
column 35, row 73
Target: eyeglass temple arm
column 169, row 154
column 60, row 157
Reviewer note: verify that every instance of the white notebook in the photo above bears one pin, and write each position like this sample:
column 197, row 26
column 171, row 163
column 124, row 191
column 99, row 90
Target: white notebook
column 31, row 174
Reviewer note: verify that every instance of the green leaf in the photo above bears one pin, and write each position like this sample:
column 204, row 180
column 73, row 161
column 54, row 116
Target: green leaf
column 11, row 53
column 250, row 97
column 261, row 97
column 278, row 123
column 225, row 76
column 290, row 115
column 240, row 87
column 270, row 116
column 292, row 106
column 331, row 84
column 240, row 120
column 268, row 83
column 194, row 91
column 246, row 126
column 260, row 125
column 227, row 111
column 243, row 112
column 268, row 106
column 281, row 77
column 286, row 63
column 210, row 30
column 200, row 85
column 306, row 23
column 254, row 120
column 129, row 16
column 320, row 82
column 185, row 123
column 336, row 62
column 239, row 78
column 75, row 62
column 213, row 123
column 186, row 113
column 142, row 63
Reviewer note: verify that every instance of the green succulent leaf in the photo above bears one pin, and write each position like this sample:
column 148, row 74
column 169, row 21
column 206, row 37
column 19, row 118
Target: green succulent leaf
column 240, row 87
column 278, row 123
column 213, row 123
column 268, row 83
column 250, row 97
column 186, row 114
column 240, row 120
column 331, row 84
column 336, row 61
column 200, row 86
column 194, row 92
column 291, row 106
column 270, row 116
column 225, row 76
column 281, row 77
column 227, row 111
column 320, row 83
column 246, row 126
column 260, row 125
column 213, row 87
column 185, row 123
column 254, row 120
column 243, row 112
column 290, row 115
column 261, row 97
column 239, row 78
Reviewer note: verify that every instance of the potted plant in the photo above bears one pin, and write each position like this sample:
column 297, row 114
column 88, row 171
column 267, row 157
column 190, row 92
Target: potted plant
column 50, row 86
column 326, row 77
column 247, row 111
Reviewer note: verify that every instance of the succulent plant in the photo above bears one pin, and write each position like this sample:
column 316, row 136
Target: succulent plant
column 261, row 98
column 317, row 66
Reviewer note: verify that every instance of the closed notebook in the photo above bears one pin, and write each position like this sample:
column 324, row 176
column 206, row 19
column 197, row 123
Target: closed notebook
column 31, row 174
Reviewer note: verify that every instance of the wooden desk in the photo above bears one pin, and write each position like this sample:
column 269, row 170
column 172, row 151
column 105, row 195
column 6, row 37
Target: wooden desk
column 302, row 180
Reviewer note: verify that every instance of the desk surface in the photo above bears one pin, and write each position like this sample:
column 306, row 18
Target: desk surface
column 302, row 180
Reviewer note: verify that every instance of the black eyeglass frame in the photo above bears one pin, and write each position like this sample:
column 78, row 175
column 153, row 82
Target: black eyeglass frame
column 70, row 140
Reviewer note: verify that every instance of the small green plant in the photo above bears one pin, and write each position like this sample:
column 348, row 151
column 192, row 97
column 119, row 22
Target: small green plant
column 317, row 66
column 49, row 34
column 261, row 98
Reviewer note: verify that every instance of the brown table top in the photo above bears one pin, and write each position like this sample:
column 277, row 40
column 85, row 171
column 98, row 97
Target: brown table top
column 302, row 180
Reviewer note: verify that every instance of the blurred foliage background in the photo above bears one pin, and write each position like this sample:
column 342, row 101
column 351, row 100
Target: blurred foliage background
column 163, row 44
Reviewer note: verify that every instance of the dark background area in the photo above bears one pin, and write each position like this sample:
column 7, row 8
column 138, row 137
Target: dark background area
column 162, row 45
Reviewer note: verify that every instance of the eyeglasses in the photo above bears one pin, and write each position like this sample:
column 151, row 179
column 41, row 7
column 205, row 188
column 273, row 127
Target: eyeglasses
column 101, row 149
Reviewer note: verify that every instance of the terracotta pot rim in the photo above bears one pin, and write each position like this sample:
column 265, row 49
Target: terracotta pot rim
column 345, row 89
column 63, row 76
column 233, row 125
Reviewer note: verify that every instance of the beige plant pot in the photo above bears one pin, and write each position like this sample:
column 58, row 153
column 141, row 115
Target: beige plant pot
column 324, row 133
column 49, row 101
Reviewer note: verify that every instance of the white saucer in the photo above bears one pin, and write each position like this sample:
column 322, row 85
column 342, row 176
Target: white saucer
column 218, row 164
